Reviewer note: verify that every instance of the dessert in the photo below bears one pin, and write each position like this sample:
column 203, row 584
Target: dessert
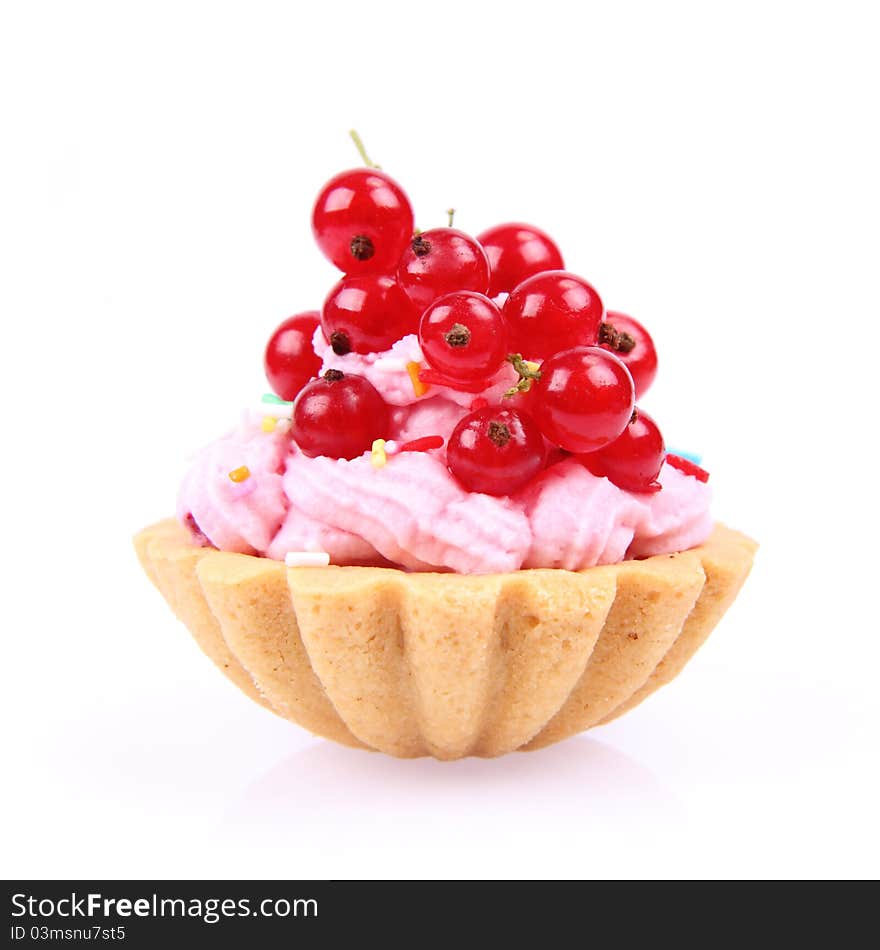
column 449, row 530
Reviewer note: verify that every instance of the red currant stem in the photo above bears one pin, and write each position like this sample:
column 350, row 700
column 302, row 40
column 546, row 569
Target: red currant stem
column 526, row 375
column 451, row 213
column 359, row 145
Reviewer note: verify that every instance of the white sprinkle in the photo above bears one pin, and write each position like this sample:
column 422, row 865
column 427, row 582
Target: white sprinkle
column 390, row 364
column 307, row 559
column 391, row 447
column 274, row 409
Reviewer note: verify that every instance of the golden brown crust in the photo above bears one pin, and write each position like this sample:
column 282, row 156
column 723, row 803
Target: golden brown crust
column 170, row 561
column 446, row 665
column 726, row 558
column 654, row 598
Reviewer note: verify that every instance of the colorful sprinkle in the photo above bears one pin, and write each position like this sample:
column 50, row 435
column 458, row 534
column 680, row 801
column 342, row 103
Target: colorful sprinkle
column 419, row 387
column 271, row 405
column 391, row 447
column 428, row 375
column 425, row 444
column 377, row 453
column 690, row 456
column 240, row 474
column 268, row 424
column 687, row 466
column 307, row 559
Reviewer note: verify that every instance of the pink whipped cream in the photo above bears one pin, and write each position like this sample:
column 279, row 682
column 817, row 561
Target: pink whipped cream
column 411, row 512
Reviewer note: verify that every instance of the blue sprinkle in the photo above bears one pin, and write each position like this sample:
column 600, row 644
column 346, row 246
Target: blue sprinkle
column 690, row 456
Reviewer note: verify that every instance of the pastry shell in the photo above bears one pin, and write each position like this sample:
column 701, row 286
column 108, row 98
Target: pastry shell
column 446, row 665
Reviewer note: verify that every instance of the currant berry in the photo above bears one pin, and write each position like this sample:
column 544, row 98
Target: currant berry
column 338, row 415
column 634, row 459
column 362, row 221
column 464, row 335
column 584, row 398
column 290, row 361
column 495, row 451
column 367, row 314
column 515, row 252
column 440, row 261
column 631, row 343
column 552, row 311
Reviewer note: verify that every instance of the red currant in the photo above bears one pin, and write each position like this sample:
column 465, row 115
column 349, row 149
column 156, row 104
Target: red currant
column 367, row 314
column 517, row 251
column 464, row 336
column 552, row 311
column 584, row 398
column 633, row 460
column 362, row 221
column 632, row 343
column 439, row 261
column 338, row 415
column 290, row 360
column 495, row 450
column 524, row 399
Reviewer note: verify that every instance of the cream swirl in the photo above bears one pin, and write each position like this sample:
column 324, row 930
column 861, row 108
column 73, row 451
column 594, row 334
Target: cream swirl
column 411, row 512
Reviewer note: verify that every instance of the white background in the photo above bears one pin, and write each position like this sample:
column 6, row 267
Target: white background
column 711, row 168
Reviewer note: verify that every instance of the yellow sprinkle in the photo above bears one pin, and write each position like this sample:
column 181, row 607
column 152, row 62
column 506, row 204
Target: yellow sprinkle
column 268, row 423
column 377, row 453
column 240, row 474
column 533, row 367
column 419, row 388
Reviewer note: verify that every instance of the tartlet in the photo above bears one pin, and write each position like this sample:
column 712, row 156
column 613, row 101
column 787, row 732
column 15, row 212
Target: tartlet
column 449, row 530
column 447, row 665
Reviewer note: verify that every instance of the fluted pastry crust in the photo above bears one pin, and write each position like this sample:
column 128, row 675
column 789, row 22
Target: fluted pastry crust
column 447, row 665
